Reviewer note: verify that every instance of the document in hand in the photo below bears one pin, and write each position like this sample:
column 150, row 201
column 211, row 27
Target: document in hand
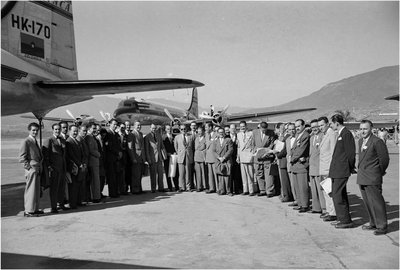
column 278, row 145
column 327, row 185
column 261, row 152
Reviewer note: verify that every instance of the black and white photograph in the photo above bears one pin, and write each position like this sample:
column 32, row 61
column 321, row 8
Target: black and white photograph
column 200, row 134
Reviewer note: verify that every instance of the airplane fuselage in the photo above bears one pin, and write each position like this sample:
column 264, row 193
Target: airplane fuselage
column 147, row 112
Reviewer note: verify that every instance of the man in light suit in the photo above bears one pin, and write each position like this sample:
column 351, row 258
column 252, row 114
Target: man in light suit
column 168, row 141
column 32, row 158
column 326, row 148
column 54, row 153
column 210, row 136
column 154, row 149
column 184, row 146
column 286, row 195
column 245, row 158
column 299, row 161
column 138, row 160
column 199, row 159
column 342, row 166
column 372, row 165
column 264, row 138
column 93, row 163
column 317, row 194
column 291, row 130
column 223, row 152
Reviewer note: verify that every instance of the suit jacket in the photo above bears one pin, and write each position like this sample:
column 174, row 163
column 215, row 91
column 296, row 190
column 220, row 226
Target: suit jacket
column 112, row 146
column 344, row 155
column 326, row 147
column 169, row 144
column 93, row 150
column 300, row 149
column 210, row 138
column 315, row 141
column 85, row 149
column 245, row 146
column 288, row 153
column 200, row 149
column 54, row 153
column 281, row 156
column 131, row 148
column 267, row 142
column 373, row 161
column 74, row 153
column 30, row 155
column 153, row 148
column 225, row 150
column 139, row 147
column 184, row 151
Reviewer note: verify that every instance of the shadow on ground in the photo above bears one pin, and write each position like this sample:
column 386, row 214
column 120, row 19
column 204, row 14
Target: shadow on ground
column 360, row 216
column 22, row 261
column 12, row 200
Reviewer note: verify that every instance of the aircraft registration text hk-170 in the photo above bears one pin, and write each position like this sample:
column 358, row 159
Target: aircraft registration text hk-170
column 30, row 26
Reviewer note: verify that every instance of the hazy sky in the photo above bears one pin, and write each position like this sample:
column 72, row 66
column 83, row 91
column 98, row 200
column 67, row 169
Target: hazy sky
column 249, row 54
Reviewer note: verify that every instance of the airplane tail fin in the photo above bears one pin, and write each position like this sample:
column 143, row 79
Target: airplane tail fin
column 194, row 105
column 41, row 33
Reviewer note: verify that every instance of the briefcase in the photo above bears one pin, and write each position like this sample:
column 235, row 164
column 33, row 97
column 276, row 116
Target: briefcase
column 145, row 171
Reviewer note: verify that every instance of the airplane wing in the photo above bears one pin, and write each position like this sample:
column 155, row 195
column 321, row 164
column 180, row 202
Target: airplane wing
column 55, row 119
column 105, row 87
column 245, row 116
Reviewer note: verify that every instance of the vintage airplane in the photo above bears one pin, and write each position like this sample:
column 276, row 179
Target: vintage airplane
column 38, row 62
column 150, row 112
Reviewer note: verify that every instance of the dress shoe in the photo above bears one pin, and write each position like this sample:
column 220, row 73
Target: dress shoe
column 296, row 208
column 252, row 194
column 124, row 193
column 314, row 212
column 329, row 218
column 261, row 194
column 292, row 204
column 245, row 193
column 341, row 225
column 324, row 215
column 65, row 208
column 30, row 214
column 368, row 227
column 38, row 212
column 96, row 201
column 303, row 209
column 270, row 195
column 192, row 189
column 333, row 223
column 54, row 211
column 230, row 194
column 210, row 191
column 153, row 191
column 221, row 193
column 84, row 204
column 380, row 231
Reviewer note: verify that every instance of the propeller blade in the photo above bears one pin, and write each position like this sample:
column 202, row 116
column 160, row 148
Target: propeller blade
column 70, row 114
column 108, row 115
column 103, row 115
column 225, row 109
column 169, row 114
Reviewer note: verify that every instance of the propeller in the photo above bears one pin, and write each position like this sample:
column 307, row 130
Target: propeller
column 70, row 114
column 169, row 114
column 103, row 115
column 225, row 109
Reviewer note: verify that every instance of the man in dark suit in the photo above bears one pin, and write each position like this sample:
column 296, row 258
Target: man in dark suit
column 128, row 166
column 64, row 135
column 54, row 157
column 342, row 165
column 223, row 150
column 121, row 164
column 299, row 165
column 264, row 138
column 372, row 165
column 112, row 154
column 85, row 187
column 154, row 151
column 93, row 163
column 75, row 166
column 236, row 177
column 168, row 141
column 211, row 136
column 32, row 158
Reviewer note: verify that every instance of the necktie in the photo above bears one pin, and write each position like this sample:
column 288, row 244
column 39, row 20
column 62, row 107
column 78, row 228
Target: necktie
column 154, row 136
column 221, row 141
column 184, row 140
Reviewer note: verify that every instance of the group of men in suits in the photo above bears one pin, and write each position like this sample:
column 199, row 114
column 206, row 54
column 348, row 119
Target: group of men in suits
column 326, row 156
column 215, row 160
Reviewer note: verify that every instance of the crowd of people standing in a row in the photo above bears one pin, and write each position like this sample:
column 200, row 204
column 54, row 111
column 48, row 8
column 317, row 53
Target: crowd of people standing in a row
column 76, row 162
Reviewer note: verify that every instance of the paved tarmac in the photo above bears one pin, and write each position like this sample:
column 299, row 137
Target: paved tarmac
column 195, row 230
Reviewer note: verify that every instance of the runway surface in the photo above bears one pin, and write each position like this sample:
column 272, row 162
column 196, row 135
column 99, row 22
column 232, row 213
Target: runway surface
column 191, row 230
